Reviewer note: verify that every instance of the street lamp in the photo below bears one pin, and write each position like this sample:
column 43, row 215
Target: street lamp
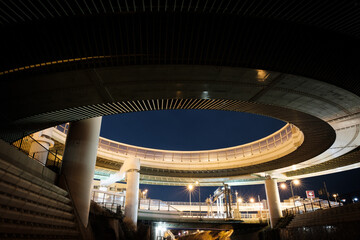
column 190, row 187
column 296, row 182
column 144, row 193
column 335, row 195
column 293, row 182
column 252, row 200
column 238, row 201
column 198, row 184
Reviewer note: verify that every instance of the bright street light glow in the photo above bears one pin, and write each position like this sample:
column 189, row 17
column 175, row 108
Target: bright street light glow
column 283, row 186
column 190, row 187
column 239, row 200
column 252, row 200
column 197, row 182
column 296, row 181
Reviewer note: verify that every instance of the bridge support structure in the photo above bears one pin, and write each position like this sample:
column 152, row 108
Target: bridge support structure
column 79, row 163
column 132, row 189
column 273, row 200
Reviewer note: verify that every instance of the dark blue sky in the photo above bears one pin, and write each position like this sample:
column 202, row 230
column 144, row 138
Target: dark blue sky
column 209, row 129
column 188, row 129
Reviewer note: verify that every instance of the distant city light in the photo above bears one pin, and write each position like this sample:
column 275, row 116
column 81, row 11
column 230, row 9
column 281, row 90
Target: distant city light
column 355, row 199
column 239, row 200
column 252, row 200
column 283, row 186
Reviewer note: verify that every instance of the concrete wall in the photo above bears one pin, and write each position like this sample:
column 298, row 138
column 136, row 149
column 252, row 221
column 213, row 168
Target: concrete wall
column 9, row 153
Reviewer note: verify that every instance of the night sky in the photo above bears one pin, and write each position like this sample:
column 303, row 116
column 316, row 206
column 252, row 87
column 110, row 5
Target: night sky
column 209, row 129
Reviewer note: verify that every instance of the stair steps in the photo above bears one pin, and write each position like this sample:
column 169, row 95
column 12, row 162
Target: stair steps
column 33, row 208
column 332, row 216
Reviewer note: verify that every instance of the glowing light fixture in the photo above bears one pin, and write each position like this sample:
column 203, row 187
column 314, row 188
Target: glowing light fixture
column 296, row 181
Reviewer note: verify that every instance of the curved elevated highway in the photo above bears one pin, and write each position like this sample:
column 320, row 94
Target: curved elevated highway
column 65, row 62
column 74, row 61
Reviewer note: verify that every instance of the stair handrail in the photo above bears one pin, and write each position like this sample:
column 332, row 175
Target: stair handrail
column 86, row 232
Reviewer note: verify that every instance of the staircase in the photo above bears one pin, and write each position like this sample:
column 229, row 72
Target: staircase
column 284, row 221
column 33, row 208
column 332, row 216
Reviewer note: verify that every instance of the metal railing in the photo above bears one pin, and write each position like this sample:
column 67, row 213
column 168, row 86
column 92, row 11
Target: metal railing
column 156, row 205
column 114, row 207
column 116, row 201
column 310, row 207
column 243, row 215
column 242, row 151
column 52, row 160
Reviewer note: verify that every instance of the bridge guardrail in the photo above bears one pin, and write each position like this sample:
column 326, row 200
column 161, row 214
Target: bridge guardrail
column 245, row 150
column 115, row 202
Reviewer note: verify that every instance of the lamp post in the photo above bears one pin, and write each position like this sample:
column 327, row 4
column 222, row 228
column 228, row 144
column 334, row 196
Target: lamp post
column 190, row 187
column 336, row 195
column 296, row 182
column 198, row 184
column 144, row 193
column 238, row 201
column 292, row 182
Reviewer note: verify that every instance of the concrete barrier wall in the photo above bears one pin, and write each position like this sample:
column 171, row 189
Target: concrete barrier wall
column 12, row 155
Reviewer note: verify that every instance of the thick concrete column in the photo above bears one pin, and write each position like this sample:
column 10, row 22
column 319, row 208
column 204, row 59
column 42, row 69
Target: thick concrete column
column 132, row 189
column 273, row 200
column 79, row 162
column 40, row 149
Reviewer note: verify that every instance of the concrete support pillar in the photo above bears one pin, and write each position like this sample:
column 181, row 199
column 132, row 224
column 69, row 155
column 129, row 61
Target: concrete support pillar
column 273, row 200
column 132, row 189
column 39, row 149
column 79, row 162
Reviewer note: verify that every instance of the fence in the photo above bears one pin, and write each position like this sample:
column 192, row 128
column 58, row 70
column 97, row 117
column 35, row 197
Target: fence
column 44, row 156
column 264, row 145
column 310, row 207
column 116, row 201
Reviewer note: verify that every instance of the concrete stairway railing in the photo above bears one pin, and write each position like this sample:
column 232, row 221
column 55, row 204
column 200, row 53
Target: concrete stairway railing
column 33, row 208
